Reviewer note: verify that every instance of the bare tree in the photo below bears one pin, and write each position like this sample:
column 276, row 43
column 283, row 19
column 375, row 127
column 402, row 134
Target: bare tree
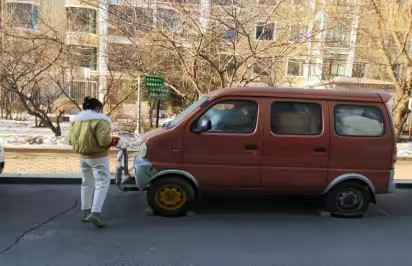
column 242, row 42
column 383, row 43
column 42, row 59
column 391, row 36
column 25, row 58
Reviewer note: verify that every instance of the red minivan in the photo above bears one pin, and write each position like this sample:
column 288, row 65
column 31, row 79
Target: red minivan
column 339, row 144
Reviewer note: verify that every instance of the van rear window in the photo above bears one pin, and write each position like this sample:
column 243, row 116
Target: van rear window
column 296, row 118
column 358, row 120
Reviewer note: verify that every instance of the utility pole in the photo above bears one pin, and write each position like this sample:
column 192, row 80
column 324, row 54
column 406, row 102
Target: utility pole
column 157, row 113
column 102, row 22
column 138, row 102
column 205, row 13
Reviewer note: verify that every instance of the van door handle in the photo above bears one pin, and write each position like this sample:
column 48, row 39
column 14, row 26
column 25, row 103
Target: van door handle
column 320, row 149
column 251, row 147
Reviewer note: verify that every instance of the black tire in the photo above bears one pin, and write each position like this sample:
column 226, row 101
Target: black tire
column 180, row 190
column 348, row 199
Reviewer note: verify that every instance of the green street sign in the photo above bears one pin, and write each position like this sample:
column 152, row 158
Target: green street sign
column 156, row 88
column 154, row 82
column 159, row 93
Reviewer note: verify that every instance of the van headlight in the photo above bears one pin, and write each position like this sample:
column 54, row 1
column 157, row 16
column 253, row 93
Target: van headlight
column 142, row 150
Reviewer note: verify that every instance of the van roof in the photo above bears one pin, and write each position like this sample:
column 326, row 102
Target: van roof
column 306, row 93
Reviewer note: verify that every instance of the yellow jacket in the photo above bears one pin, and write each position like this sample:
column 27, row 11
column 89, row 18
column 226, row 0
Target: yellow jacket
column 90, row 135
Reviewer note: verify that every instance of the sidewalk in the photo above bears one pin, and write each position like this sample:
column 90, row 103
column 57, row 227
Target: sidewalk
column 35, row 163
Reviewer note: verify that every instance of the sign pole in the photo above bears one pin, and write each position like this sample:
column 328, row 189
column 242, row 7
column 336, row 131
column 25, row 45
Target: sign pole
column 157, row 113
column 156, row 90
column 138, row 120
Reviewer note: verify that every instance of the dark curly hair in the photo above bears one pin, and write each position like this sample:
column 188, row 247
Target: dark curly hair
column 92, row 104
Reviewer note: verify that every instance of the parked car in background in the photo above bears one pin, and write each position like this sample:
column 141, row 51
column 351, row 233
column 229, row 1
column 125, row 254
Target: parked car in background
column 1, row 159
column 335, row 144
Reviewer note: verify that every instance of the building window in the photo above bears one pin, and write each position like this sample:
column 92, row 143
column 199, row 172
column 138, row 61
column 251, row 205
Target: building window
column 120, row 88
column 24, row 15
column 225, row 2
column 230, row 34
column 129, row 21
column 292, row 118
column 263, row 67
column 83, row 56
column 391, row 44
column 81, row 89
column 409, row 47
column 233, row 117
column 399, row 70
column 403, row 3
column 295, row 67
column 122, row 58
column 230, row 62
column 81, row 19
column 265, row 31
column 357, row 120
column 168, row 19
column 233, row 66
column 300, row 4
column 268, row 2
column 358, row 70
column 333, row 67
column 341, row 2
column 191, row 2
column 337, row 36
column 298, row 33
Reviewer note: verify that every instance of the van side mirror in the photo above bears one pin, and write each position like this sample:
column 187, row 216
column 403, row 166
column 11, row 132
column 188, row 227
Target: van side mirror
column 204, row 124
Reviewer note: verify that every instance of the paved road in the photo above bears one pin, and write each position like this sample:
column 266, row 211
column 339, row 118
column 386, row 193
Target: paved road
column 228, row 231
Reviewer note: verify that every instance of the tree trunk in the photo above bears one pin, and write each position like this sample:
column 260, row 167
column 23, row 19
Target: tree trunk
column 8, row 109
column 400, row 115
column 151, row 108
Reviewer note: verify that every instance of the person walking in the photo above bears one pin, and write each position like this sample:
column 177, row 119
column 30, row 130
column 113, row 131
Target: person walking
column 91, row 138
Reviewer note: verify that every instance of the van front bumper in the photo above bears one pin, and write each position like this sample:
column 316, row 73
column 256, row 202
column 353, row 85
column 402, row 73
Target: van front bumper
column 143, row 171
column 391, row 184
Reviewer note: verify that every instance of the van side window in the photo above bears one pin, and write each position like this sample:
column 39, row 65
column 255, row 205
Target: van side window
column 233, row 117
column 357, row 120
column 293, row 118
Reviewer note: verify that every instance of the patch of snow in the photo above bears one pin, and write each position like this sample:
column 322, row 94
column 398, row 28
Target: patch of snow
column 404, row 149
column 24, row 133
column 20, row 133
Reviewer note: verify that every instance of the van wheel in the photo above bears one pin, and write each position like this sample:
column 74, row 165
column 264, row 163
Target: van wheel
column 170, row 196
column 349, row 199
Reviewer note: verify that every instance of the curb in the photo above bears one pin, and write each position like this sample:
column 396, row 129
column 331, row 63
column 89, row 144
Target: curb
column 403, row 183
column 43, row 179
column 404, row 158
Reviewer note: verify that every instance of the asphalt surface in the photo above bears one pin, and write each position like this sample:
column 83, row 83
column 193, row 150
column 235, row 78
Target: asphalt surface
column 40, row 225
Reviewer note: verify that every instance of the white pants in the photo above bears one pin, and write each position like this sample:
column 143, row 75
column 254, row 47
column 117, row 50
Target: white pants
column 95, row 183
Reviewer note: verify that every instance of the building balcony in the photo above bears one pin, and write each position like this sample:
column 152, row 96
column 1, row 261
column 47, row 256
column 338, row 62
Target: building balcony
column 82, row 38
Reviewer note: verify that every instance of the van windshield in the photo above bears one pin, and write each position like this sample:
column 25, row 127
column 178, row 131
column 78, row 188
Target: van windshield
column 187, row 112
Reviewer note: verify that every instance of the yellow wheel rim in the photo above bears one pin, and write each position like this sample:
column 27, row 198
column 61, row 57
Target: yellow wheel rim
column 170, row 197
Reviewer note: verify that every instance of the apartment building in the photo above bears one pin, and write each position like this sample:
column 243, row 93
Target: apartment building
column 328, row 53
